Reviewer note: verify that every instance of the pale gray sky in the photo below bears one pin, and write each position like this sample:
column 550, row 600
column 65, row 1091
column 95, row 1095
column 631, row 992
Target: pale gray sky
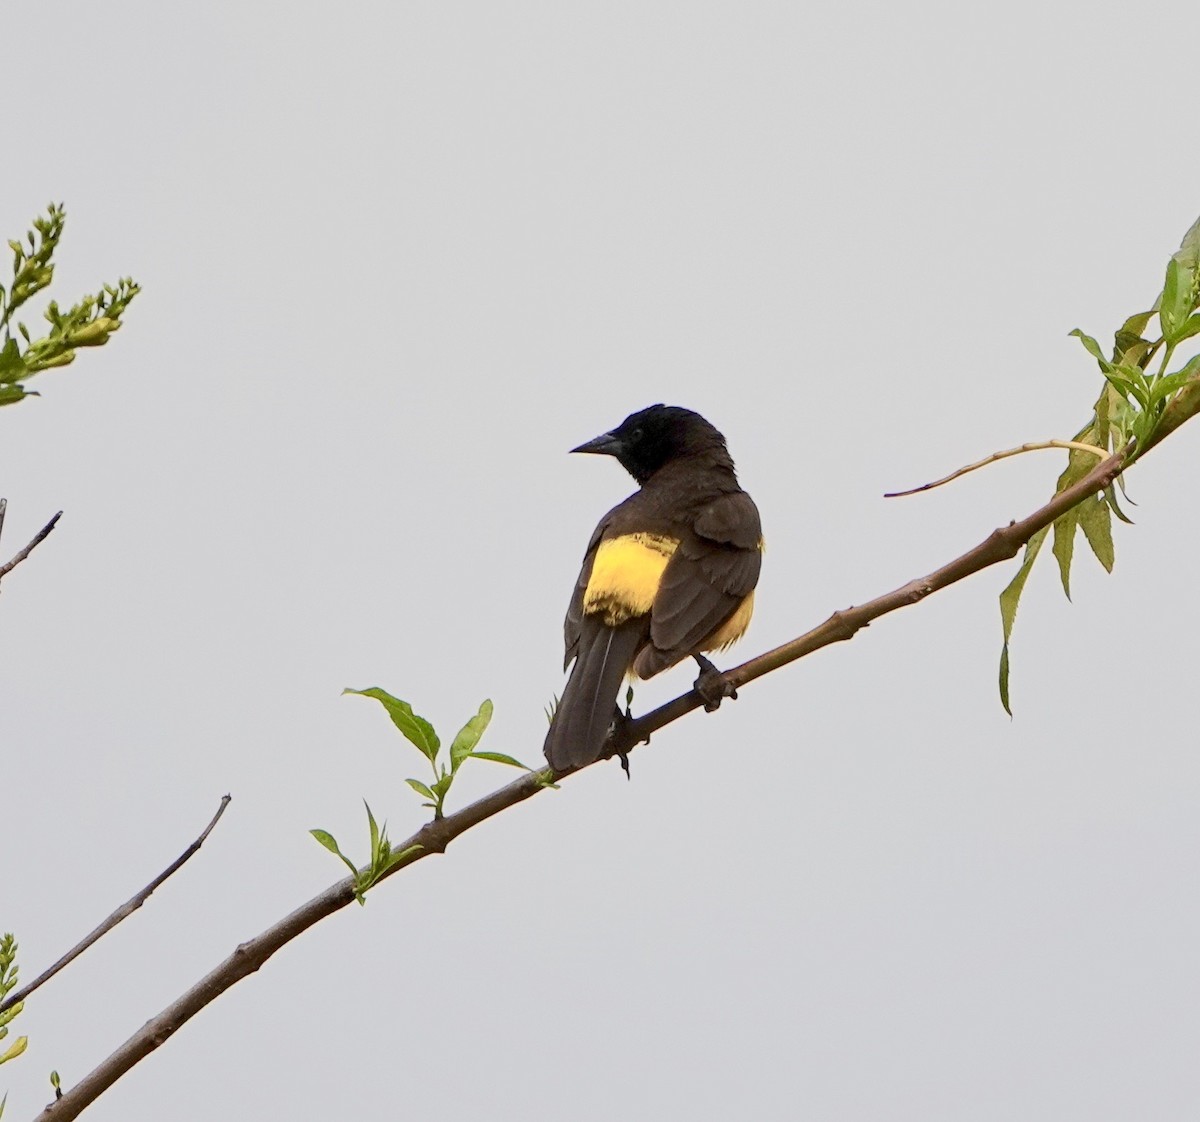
column 397, row 259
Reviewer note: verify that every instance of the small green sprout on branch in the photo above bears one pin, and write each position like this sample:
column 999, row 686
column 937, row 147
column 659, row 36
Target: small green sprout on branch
column 422, row 735
column 382, row 857
column 88, row 323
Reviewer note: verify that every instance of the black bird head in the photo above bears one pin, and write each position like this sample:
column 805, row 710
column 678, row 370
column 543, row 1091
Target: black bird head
column 645, row 441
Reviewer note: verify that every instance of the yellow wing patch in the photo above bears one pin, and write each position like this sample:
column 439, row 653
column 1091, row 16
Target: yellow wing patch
column 626, row 575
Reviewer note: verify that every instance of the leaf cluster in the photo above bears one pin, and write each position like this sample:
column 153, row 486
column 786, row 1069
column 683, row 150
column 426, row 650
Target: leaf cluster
column 90, row 322
column 1127, row 417
column 383, row 857
column 8, row 982
column 421, row 734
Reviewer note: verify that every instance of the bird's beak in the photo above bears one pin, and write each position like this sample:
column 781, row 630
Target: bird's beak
column 607, row 444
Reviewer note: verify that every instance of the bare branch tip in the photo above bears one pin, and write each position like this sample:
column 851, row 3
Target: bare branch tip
column 38, row 538
column 1038, row 446
column 120, row 914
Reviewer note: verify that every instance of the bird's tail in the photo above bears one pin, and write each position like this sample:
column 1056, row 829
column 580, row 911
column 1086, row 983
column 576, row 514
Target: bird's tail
column 582, row 719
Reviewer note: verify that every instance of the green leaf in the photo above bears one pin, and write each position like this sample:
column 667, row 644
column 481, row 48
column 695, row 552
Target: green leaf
column 1176, row 299
column 1190, row 328
column 1064, row 547
column 440, row 789
column 1127, row 388
column 402, row 855
column 1110, row 497
column 1136, row 325
column 373, row 826
column 18, row 1046
column 1004, row 700
column 500, row 758
column 1096, row 520
column 420, row 788
column 12, row 365
column 1130, row 348
column 326, row 839
column 1009, row 599
column 418, row 731
column 1078, row 465
column 1164, row 387
column 1098, row 431
column 1093, row 348
column 468, row 736
column 1188, row 253
column 1136, row 377
column 1120, row 414
column 1190, row 368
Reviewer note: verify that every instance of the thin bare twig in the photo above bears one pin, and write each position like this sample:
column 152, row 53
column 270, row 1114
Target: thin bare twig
column 435, row 836
column 1036, row 446
column 38, row 538
column 123, row 912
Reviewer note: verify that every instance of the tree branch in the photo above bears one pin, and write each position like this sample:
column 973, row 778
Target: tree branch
column 1001, row 545
column 123, row 912
column 996, row 457
column 38, row 538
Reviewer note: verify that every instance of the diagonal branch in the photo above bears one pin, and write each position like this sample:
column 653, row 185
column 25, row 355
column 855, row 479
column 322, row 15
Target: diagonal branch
column 123, row 912
column 1001, row 545
column 38, row 538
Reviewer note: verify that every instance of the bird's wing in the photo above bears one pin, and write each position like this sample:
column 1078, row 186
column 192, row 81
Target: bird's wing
column 706, row 581
column 573, row 624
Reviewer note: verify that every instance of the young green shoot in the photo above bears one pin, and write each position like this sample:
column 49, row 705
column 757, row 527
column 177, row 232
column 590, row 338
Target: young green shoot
column 421, row 734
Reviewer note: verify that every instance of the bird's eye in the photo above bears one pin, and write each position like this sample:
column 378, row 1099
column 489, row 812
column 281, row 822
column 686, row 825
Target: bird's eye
column 635, row 435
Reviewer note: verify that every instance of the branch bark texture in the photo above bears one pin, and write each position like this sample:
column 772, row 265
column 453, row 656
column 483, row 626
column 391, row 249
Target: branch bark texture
column 1001, row 545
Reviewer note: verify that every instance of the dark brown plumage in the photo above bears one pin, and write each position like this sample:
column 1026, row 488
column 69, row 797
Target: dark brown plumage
column 668, row 573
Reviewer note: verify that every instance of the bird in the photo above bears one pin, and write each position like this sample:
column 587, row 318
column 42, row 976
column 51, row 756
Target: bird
column 668, row 574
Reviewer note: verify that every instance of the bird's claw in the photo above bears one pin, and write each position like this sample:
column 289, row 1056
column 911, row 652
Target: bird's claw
column 616, row 731
column 712, row 686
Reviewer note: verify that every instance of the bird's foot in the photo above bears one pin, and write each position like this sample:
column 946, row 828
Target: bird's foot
column 617, row 734
column 712, row 686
